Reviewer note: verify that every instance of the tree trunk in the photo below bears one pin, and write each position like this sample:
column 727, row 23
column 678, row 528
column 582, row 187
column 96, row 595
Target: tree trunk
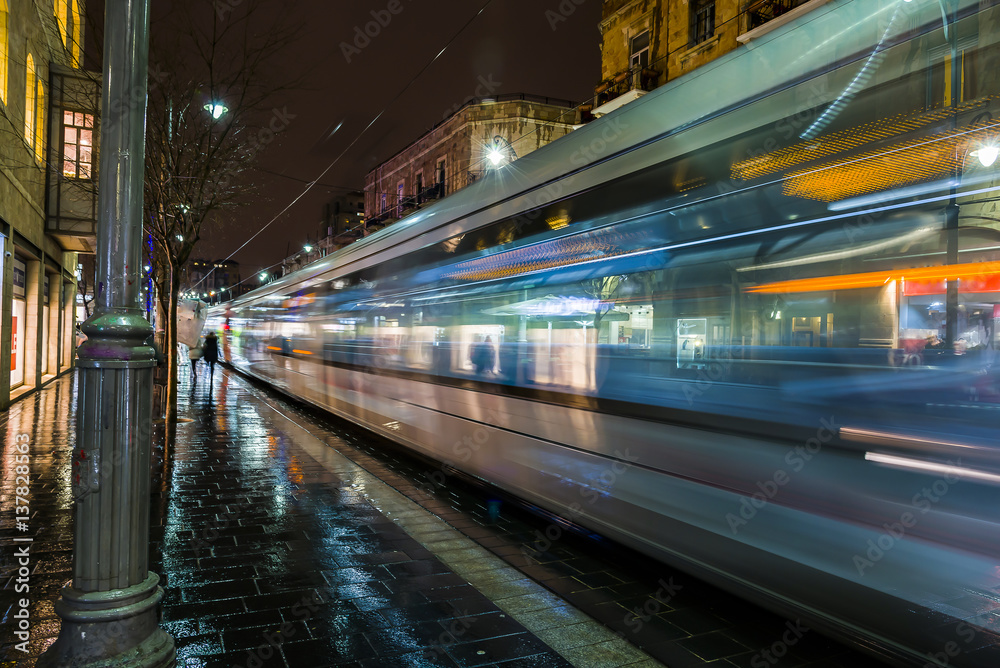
column 170, row 346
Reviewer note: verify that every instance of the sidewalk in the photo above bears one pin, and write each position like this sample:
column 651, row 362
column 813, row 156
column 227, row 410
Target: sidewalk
column 275, row 550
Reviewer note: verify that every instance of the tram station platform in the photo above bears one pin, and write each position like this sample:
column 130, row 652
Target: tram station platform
column 286, row 538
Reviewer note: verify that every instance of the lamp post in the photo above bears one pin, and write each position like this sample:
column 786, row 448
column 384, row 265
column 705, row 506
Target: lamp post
column 109, row 609
column 951, row 211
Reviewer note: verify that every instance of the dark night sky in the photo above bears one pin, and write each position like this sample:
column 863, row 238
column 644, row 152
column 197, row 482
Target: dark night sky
column 511, row 44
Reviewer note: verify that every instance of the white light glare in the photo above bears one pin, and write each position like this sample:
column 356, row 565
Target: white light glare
column 495, row 157
column 216, row 110
column 988, row 155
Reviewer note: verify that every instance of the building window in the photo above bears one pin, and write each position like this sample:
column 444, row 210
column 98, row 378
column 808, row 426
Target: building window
column 76, row 49
column 3, row 51
column 62, row 20
column 400, row 187
column 39, row 120
column 439, row 174
column 29, row 101
column 639, row 51
column 702, row 20
column 768, row 10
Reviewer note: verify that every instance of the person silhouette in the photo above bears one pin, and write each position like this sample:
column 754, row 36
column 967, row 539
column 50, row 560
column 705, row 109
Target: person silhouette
column 483, row 356
column 210, row 353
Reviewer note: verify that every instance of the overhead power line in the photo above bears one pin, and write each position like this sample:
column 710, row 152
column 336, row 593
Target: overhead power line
column 358, row 136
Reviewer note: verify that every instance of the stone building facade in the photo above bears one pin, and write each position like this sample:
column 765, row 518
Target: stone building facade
column 458, row 150
column 645, row 43
column 48, row 160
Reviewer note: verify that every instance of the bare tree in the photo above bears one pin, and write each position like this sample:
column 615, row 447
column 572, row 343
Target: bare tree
column 210, row 111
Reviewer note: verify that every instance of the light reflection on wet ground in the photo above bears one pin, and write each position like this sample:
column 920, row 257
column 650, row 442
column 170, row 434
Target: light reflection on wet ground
column 269, row 557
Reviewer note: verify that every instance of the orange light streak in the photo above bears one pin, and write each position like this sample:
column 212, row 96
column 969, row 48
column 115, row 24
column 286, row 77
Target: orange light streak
column 874, row 279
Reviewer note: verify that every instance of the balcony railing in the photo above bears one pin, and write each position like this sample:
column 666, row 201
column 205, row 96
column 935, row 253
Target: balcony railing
column 406, row 206
column 637, row 78
column 761, row 12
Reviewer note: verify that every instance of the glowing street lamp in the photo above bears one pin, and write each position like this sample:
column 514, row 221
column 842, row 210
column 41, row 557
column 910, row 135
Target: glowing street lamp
column 496, row 151
column 216, row 109
column 307, row 248
column 263, row 276
column 987, row 155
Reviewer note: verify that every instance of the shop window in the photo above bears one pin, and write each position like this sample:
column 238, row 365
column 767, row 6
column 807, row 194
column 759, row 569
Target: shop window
column 78, row 141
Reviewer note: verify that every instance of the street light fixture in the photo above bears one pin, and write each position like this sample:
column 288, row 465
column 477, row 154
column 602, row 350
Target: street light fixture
column 307, row 248
column 216, row 109
column 496, row 151
column 987, row 155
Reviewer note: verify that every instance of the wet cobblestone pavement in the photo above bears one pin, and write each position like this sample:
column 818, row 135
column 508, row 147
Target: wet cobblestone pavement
column 278, row 546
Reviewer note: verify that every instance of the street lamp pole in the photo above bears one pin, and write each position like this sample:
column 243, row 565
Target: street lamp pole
column 109, row 609
column 951, row 211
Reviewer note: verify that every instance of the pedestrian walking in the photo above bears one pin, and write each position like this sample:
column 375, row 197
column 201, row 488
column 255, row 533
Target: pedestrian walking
column 211, row 353
column 195, row 353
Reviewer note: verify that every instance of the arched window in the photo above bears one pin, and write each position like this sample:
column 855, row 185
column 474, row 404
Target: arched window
column 3, row 51
column 62, row 20
column 29, row 101
column 40, row 120
column 76, row 49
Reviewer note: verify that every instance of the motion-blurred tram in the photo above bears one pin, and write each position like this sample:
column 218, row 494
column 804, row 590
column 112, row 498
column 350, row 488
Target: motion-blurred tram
column 746, row 324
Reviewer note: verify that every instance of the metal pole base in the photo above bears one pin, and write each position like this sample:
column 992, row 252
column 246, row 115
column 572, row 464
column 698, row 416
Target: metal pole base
column 111, row 629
